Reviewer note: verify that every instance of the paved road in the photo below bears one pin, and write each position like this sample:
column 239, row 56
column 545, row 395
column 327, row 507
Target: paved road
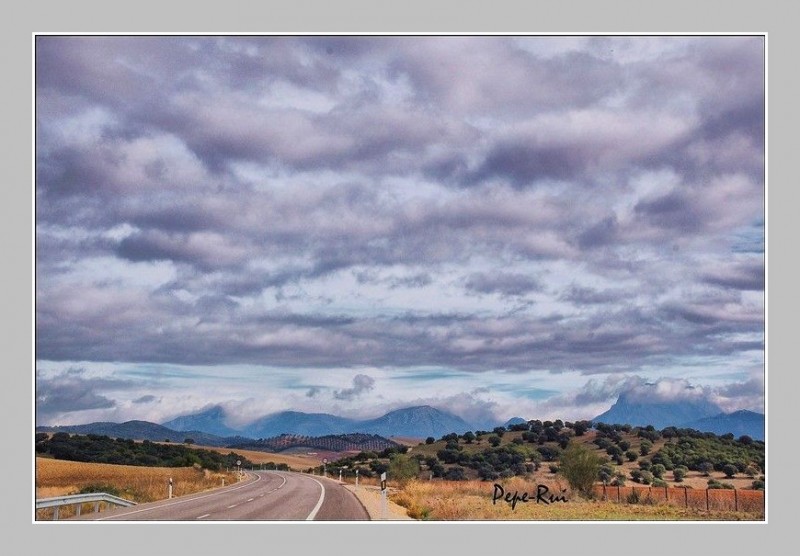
column 263, row 496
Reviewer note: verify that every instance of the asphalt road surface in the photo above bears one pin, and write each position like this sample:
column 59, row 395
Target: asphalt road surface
column 263, row 496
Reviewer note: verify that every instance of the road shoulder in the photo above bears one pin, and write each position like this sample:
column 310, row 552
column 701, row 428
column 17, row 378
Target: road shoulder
column 370, row 497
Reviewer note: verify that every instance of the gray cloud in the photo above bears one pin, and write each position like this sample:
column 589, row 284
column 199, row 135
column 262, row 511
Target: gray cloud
column 361, row 383
column 72, row 391
column 329, row 201
column 502, row 282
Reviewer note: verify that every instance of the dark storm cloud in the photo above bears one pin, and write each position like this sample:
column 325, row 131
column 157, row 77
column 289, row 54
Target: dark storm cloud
column 73, row 391
column 328, row 200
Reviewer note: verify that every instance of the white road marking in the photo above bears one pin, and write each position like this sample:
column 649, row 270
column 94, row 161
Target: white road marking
column 248, row 484
column 250, row 499
column 202, row 516
column 232, row 506
column 313, row 513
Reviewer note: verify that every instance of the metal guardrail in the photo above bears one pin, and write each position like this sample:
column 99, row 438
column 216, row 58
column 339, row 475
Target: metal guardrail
column 78, row 500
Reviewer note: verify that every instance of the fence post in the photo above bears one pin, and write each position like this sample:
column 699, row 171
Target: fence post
column 666, row 494
column 735, row 500
column 686, row 496
column 619, row 498
column 708, row 507
column 605, row 496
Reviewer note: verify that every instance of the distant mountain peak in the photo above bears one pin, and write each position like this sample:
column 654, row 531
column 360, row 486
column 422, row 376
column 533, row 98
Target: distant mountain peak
column 416, row 421
column 660, row 413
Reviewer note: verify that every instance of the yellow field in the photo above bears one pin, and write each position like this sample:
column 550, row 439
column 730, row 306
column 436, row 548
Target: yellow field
column 295, row 462
column 140, row 484
column 472, row 500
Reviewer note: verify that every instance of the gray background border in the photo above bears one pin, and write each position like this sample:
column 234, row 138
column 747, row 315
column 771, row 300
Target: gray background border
column 449, row 16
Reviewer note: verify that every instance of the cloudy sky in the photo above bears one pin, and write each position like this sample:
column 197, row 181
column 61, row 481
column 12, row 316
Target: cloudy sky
column 493, row 225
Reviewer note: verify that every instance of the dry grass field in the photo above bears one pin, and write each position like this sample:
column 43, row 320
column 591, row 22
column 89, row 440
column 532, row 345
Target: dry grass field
column 472, row 501
column 140, row 484
column 296, row 462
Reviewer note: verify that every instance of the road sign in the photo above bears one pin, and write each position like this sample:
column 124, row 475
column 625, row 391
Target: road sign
column 383, row 480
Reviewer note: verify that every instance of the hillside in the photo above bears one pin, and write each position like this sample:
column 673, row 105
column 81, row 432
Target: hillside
column 633, row 454
column 141, row 430
column 354, row 442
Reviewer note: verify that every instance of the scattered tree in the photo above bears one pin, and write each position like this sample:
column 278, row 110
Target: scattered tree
column 579, row 466
column 658, row 470
column 402, row 468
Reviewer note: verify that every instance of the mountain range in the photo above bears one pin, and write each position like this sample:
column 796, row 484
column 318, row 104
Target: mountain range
column 701, row 415
column 210, row 427
column 417, row 422
column 142, row 430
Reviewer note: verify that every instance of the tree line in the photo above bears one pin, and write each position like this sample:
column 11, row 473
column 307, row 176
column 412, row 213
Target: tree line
column 93, row 448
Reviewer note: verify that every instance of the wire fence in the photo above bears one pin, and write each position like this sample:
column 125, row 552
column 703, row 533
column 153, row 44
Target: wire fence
column 705, row 499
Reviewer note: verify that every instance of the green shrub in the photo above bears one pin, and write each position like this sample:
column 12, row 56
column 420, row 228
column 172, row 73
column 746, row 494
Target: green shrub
column 580, row 465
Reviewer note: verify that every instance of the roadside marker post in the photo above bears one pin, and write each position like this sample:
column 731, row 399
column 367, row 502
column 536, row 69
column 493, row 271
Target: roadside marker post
column 169, row 493
column 356, row 479
column 324, row 467
column 383, row 496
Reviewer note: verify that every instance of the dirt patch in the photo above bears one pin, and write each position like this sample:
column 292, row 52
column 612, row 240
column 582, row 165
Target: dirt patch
column 370, row 497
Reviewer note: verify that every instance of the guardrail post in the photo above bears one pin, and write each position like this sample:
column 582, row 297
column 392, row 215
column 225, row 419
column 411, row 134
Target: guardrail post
column 55, row 513
column 96, row 507
column 78, row 509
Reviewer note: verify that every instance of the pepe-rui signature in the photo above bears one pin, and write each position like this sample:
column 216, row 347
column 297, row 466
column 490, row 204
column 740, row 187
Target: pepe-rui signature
column 541, row 496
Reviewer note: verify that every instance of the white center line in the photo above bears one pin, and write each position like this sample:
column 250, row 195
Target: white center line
column 250, row 499
column 202, row 516
column 233, row 506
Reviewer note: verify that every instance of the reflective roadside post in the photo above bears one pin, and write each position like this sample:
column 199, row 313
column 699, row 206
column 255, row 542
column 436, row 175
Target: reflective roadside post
column 169, row 493
column 239, row 468
column 324, row 467
column 383, row 495
column 356, row 479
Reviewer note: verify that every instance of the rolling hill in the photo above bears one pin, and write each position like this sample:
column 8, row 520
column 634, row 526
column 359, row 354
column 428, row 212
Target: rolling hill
column 141, row 430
